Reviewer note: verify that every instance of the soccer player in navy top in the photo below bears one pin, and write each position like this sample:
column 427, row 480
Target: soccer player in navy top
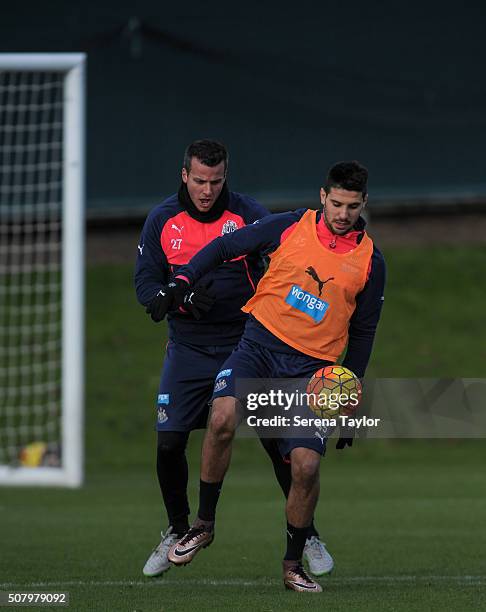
column 202, row 332
column 321, row 295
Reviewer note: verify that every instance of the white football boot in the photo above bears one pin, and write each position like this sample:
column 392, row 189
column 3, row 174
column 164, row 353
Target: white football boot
column 319, row 560
column 158, row 563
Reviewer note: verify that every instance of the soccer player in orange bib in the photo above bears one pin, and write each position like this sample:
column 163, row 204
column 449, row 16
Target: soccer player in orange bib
column 322, row 292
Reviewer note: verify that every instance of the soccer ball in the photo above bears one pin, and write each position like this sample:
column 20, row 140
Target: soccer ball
column 334, row 390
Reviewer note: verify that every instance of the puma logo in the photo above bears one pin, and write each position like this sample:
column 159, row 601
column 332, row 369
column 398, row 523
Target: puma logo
column 313, row 274
column 178, row 229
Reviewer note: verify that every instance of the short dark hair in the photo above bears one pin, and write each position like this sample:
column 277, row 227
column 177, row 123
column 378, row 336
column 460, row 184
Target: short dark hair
column 208, row 152
column 350, row 175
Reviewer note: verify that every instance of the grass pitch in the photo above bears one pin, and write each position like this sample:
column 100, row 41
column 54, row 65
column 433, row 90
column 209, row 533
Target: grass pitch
column 406, row 524
column 405, row 521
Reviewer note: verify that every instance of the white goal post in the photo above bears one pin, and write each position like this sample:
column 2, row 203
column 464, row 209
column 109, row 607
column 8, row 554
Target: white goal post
column 42, row 201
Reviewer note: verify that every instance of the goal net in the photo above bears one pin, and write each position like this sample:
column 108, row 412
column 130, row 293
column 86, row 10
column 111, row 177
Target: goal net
column 41, row 268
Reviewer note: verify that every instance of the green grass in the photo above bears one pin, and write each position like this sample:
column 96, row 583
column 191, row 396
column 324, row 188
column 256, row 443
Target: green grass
column 405, row 520
column 432, row 324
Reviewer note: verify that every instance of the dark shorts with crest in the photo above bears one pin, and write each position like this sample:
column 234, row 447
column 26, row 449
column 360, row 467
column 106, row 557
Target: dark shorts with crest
column 254, row 361
column 186, row 385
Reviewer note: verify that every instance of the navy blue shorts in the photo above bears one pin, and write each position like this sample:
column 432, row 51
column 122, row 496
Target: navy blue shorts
column 252, row 360
column 186, row 385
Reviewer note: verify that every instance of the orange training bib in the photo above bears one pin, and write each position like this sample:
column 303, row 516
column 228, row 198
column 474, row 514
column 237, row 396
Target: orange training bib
column 308, row 294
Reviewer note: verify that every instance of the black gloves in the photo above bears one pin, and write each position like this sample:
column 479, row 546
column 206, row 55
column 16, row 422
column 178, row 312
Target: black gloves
column 178, row 294
column 343, row 442
column 160, row 305
column 346, row 436
column 197, row 301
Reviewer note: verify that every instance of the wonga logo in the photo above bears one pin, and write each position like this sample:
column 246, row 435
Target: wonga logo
column 306, row 302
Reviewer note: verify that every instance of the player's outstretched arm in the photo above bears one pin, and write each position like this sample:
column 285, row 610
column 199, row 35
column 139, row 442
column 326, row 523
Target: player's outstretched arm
column 262, row 236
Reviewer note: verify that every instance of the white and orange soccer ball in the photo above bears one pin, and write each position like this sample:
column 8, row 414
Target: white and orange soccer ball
column 333, row 391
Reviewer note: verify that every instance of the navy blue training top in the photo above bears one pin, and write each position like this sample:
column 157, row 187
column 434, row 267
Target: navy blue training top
column 170, row 237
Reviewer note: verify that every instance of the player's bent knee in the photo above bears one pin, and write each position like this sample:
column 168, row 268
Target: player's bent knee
column 305, row 468
column 305, row 474
column 222, row 427
column 222, row 422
